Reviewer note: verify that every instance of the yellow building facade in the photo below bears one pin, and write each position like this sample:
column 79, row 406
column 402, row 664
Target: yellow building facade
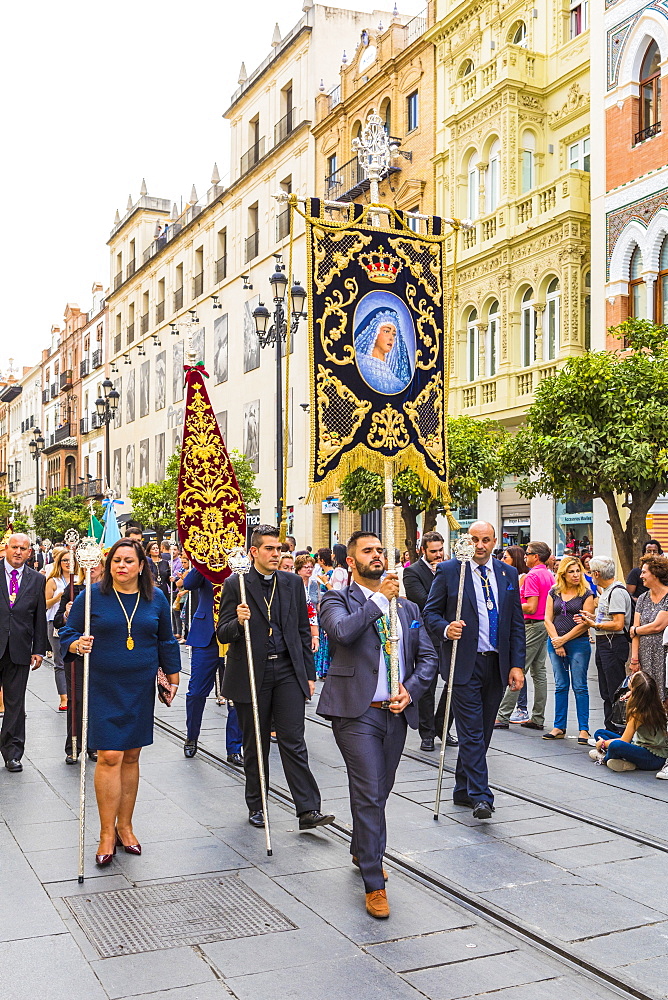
column 512, row 155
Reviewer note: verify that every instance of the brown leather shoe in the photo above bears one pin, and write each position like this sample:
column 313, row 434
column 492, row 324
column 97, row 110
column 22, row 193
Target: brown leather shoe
column 377, row 905
column 354, row 860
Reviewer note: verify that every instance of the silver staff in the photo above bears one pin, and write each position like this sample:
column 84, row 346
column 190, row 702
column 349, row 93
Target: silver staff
column 89, row 554
column 464, row 550
column 72, row 540
column 239, row 562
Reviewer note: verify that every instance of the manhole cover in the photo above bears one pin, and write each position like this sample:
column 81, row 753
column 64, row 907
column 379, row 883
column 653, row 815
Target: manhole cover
column 153, row 917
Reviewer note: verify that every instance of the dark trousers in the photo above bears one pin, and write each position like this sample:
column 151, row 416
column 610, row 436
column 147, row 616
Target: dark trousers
column 476, row 704
column 430, row 724
column 279, row 697
column 371, row 746
column 204, row 663
column 13, row 681
column 611, row 655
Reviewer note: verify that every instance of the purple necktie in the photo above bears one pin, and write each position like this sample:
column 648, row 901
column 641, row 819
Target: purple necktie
column 13, row 585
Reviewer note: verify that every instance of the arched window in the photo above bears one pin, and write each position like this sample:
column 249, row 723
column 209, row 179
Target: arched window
column 552, row 331
column 528, row 167
column 528, row 330
column 472, row 187
column 492, row 352
column 467, row 68
column 650, row 89
column 493, row 177
column 519, row 34
column 386, row 115
column 637, row 287
column 472, row 346
column 661, row 315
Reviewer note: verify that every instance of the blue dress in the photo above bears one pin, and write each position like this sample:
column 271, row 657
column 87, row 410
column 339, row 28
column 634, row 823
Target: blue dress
column 122, row 681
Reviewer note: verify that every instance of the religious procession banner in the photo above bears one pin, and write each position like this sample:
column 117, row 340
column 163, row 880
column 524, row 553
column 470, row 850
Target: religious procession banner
column 210, row 511
column 380, row 347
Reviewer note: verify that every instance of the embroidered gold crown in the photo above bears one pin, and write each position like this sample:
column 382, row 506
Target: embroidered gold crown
column 380, row 265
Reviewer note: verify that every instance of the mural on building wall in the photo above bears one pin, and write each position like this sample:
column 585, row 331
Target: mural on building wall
column 159, row 457
column 116, row 473
column 161, row 380
column 129, row 467
column 177, row 440
column 251, row 342
column 221, row 419
column 177, row 372
column 220, row 350
column 144, row 388
column 199, row 345
column 252, row 434
column 143, row 462
column 118, row 413
column 130, row 397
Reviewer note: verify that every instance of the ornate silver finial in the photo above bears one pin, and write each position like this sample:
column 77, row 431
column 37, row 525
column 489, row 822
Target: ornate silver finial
column 374, row 152
column 464, row 548
column 72, row 537
column 89, row 553
column 238, row 560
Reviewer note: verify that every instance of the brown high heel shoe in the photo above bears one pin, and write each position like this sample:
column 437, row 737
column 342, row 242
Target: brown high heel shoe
column 128, row 848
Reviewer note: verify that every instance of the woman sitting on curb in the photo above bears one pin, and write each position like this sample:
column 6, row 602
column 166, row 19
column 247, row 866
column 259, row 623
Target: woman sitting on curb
column 646, row 721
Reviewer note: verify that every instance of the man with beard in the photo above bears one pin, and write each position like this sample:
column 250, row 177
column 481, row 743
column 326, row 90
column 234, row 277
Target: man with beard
column 369, row 726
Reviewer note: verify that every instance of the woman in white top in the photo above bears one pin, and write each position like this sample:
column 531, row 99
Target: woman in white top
column 58, row 578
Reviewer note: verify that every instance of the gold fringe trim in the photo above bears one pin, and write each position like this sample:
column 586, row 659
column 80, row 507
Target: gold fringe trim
column 361, row 456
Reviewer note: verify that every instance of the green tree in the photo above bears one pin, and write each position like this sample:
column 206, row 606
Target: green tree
column 59, row 512
column 599, row 428
column 154, row 505
column 476, row 463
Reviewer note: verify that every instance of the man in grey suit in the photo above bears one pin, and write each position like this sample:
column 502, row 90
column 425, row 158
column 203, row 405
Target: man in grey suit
column 22, row 642
column 369, row 726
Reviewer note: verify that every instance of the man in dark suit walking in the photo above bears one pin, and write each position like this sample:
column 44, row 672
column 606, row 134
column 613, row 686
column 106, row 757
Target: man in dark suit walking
column 369, row 726
column 284, row 673
column 418, row 578
column 22, row 642
column 490, row 655
column 205, row 662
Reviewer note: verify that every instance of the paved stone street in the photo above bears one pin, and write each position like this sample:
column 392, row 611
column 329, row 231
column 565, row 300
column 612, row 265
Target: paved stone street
column 601, row 895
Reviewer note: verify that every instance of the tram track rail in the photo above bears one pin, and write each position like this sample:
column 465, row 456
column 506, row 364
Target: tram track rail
column 525, row 933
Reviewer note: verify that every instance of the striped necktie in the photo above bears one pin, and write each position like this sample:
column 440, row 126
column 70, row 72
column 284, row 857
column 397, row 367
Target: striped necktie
column 492, row 610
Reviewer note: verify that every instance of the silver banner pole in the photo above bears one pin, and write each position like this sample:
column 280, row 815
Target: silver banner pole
column 88, row 554
column 464, row 550
column 239, row 562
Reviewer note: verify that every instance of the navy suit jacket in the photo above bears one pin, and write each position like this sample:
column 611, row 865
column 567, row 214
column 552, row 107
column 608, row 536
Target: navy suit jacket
column 441, row 609
column 202, row 628
column 349, row 620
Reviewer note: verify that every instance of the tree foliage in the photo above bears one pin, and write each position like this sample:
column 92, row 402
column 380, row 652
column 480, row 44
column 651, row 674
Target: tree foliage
column 154, row 505
column 59, row 512
column 476, row 463
column 599, row 428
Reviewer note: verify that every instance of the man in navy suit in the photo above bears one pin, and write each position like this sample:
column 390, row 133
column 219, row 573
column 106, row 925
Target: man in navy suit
column 204, row 664
column 369, row 726
column 490, row 655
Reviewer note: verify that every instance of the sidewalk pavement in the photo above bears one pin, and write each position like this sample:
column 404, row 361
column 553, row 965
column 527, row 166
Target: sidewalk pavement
column 192, row 821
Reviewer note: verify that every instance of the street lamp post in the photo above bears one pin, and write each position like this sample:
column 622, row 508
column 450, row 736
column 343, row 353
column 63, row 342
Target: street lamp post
column 275, row 336
column 36, row 448
column 106, row 406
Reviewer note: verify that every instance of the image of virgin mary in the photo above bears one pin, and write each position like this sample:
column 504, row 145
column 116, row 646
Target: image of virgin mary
column 381, row 352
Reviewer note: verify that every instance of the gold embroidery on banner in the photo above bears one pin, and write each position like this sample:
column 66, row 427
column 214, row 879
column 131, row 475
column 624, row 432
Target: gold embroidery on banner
column 426, row 415
column 207, row 495
column 340, row 415
column 424, row 263
column 388, row 430
column 336, row 306
column 333, row 252
column 429, row 339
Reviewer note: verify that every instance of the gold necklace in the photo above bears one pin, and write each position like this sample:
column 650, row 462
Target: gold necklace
column 130, row 643
column 269, row 604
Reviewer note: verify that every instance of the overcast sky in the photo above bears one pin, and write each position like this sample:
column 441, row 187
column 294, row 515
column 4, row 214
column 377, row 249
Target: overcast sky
column 97, row 96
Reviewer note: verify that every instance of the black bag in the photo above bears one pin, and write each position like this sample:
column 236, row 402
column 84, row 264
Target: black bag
column 618, row 714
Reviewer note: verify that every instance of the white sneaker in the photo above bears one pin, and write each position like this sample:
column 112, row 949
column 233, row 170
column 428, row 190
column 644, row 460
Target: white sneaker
column 615, row 764
column 663, row 773
column 520, row 715
column 592, row 742
column 597, row 756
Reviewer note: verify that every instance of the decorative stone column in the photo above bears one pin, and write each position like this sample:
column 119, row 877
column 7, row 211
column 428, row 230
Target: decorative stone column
column 539, row 308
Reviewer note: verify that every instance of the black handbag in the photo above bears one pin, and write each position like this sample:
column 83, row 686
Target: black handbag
column 618, row 714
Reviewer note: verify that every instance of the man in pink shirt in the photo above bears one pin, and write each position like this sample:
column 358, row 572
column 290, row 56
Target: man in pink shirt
column 533, row 592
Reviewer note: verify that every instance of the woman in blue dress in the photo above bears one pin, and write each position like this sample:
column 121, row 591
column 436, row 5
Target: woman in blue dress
column 130, row 637
column 381, row 352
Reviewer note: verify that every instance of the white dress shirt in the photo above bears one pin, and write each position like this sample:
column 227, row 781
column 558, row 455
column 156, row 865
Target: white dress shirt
column 432, row 566
column 484, row 645
column 382, row 688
